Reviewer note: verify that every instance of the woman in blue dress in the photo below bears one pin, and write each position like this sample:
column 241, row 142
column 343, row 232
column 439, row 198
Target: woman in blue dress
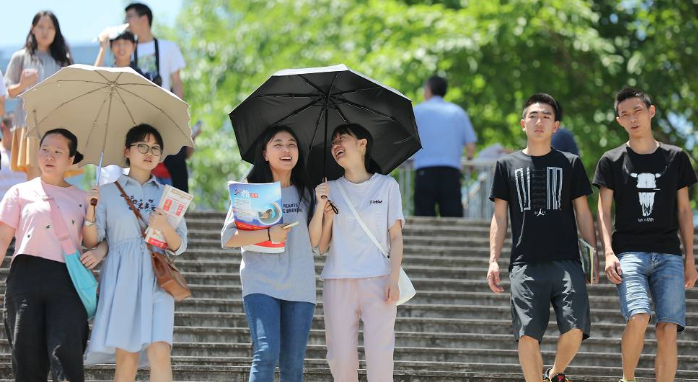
column 134, row 323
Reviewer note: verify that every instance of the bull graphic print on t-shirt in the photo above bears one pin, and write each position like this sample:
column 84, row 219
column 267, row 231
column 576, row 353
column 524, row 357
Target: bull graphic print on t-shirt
column 539, row 190
column 646, row 190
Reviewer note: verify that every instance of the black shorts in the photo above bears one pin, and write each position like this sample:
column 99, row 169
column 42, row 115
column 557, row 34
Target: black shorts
column 535, row 286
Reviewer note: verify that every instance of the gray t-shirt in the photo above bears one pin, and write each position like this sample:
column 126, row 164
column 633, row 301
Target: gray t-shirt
column 45, row 66
column 289, row 275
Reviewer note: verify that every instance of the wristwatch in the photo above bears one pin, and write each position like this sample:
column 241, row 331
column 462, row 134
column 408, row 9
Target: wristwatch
column 89, row 223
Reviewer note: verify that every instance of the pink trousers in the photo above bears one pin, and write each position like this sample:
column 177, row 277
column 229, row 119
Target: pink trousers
column 345, row 302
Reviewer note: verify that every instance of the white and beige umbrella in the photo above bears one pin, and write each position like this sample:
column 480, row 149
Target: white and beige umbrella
column 100, row 105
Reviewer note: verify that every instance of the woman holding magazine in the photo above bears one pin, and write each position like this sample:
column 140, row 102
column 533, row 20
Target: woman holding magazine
column 278, row 289
column 134, row 323
column 359, row 282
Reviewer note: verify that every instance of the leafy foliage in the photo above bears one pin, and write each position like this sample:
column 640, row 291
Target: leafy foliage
column 494, row 53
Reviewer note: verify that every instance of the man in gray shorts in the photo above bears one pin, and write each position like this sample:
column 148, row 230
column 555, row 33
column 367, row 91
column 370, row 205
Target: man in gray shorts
column 544, row 191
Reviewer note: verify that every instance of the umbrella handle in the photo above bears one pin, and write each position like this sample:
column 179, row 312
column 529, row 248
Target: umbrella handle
column 323, row 197
column 94, row 201
column 99, row 172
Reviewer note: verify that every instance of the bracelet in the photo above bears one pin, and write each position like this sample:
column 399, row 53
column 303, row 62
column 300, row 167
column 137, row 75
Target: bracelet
column 269, row 233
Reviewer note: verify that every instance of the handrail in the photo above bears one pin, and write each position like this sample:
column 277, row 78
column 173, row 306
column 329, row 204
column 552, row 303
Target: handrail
column 476, row 181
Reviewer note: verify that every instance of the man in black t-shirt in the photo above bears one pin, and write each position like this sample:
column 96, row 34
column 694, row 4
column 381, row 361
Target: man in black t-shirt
column 545, row 192
column 648, row 181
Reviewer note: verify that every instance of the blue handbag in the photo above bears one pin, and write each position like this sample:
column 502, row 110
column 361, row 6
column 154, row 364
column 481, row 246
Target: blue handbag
column 84, row 281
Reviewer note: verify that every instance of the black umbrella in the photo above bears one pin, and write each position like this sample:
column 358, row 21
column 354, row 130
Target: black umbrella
column 313, row 101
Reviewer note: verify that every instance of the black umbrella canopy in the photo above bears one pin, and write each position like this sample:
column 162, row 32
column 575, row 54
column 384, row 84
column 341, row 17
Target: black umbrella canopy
column 313, row 101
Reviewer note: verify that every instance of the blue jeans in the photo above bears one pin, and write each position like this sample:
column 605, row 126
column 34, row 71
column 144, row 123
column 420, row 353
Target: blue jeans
column 658, row 274
column 279, row 331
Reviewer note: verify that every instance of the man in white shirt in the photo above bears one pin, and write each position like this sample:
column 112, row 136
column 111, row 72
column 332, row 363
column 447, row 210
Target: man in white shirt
column 159, row 60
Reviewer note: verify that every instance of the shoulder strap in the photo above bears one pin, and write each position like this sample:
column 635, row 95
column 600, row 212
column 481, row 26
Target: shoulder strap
column 361, row 222
column 139, row 217
column 157, row 55
column 59, row 225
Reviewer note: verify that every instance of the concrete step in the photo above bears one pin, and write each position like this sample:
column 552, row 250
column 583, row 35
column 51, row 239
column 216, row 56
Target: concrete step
column 438, row 289
column 424, row 296
column 417, row 266
column 492, row 325
column 430, row 245
column 456, row 241
column 426, row 354
column 219, row 217
column 455, row 326
column 454, row 330
column 230, row 370
column 471, row 280
column 600, row 306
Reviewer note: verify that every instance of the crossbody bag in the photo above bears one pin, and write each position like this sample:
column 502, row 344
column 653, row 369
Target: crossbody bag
column 168, row 276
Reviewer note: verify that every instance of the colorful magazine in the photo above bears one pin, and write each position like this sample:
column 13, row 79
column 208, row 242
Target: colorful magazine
column 174, row 202
column 257, row 206
column 587, row 255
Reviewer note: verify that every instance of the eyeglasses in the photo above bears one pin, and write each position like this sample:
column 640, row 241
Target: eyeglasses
column 144, row 148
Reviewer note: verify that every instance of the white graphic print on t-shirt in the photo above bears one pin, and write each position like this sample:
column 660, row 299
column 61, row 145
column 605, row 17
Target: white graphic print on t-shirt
column 646, row 191
column 547, row 189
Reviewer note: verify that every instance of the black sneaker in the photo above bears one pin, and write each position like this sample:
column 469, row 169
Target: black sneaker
column 559, row 377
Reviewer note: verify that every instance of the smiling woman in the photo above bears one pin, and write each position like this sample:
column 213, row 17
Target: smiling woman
column 357, row 277
column 279, row 290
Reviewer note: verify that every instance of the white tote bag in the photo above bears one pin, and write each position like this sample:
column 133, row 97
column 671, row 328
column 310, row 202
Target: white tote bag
column 407, row 290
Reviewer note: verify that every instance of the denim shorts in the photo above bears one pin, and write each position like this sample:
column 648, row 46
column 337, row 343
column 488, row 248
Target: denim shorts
column 658, row 274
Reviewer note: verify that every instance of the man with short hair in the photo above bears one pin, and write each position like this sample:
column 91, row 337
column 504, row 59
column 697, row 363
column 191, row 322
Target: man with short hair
column 544, row 191
column 159, row 60
column 648, row 181
column 444, row 129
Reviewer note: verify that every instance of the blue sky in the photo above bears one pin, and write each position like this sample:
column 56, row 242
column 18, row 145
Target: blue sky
column 81, row 20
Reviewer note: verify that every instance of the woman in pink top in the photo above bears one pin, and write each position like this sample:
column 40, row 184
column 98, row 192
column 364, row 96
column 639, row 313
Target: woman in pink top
column 45, row 320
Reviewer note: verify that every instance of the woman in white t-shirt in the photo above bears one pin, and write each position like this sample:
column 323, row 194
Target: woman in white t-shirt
column 359, row 282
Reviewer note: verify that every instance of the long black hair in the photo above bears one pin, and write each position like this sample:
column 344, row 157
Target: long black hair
column 59, row 48
column 359, row 132
column 261, row 172
column 72, row 143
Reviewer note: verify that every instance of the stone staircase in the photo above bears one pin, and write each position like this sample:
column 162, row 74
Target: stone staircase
column 455, row 329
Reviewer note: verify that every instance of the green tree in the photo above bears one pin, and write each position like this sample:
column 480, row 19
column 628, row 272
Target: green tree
column 494, row 53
